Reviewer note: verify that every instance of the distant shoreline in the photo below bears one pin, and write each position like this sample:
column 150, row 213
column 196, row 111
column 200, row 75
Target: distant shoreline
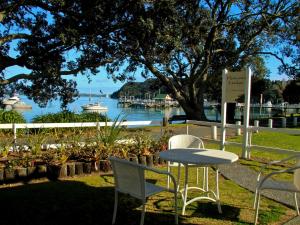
column 93, row 95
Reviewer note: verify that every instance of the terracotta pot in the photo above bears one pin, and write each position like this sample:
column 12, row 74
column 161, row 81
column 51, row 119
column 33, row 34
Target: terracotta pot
column 79, row 168
column 1, row 175
column 71, row 169
column 156, row 158
column 87, row 167
column 31, row 171
column 149, row 160
column 104, row 165
column 9, row 174
column 41, row 170
column 142, row 160
column 54, row 172
column 21, row 173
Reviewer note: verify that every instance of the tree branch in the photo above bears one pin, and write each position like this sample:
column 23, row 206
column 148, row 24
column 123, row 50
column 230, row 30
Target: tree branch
column 13, row 37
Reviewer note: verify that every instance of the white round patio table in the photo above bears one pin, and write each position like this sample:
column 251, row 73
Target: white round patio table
column 199, row 157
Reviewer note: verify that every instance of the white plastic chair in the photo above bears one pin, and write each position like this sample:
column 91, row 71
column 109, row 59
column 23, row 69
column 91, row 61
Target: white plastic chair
column 268, row 183
column 130, row 179
column 186, row 141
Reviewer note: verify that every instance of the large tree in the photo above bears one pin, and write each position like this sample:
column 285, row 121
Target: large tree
column 185, row 44
column 46, row 41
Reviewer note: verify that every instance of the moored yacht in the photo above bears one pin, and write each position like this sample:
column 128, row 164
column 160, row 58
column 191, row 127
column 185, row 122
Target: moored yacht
column 11, row 100
column 21, row 105
column 95, row 107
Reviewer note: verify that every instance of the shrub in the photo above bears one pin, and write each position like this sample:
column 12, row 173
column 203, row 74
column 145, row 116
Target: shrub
column 11, row 117
column 68, row 117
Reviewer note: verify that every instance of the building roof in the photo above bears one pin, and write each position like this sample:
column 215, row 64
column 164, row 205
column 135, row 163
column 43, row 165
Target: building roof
column 162, row 97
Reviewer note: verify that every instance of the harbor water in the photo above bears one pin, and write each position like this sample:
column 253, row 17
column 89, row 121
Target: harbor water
column 131, row 114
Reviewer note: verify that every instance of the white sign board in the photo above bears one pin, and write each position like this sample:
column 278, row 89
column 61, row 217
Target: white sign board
column 235, row 85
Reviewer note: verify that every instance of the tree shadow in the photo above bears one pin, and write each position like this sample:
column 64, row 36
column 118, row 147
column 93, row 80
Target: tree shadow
column 210, row 210
column 70, row 202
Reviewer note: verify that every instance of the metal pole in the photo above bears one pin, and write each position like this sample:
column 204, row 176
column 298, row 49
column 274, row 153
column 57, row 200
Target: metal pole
column 214, row 132
column 15, row 136
column 238, row 130
column 246, row 113
column 223, row 111
column 256, row 124
column 270, row 123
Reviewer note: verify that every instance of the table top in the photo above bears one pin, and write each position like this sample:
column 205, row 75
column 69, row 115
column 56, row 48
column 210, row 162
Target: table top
column 198, row 156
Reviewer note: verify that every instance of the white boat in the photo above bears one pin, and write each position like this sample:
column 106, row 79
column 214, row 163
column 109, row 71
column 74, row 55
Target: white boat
column 94, row 107
column 11, row 100
column 21, row 105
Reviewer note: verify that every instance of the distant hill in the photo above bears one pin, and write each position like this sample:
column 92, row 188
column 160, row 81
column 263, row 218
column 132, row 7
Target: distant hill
column 140, row 89
column 91, row 95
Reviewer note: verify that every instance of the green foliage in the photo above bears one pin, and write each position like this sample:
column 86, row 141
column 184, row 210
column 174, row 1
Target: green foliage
column 68, row 117
column 189, row 41
column 291, row 92
column 11, row 117
column 36, row 139
column 140, row 89
column 142, row 144
column 107, row 135
column 271, row 215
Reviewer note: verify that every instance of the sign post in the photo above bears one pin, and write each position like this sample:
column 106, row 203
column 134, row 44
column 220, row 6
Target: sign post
column 246, row 153
column 234, row 85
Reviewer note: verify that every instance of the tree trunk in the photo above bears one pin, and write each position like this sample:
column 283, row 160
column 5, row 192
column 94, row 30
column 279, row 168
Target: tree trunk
column 193, row 111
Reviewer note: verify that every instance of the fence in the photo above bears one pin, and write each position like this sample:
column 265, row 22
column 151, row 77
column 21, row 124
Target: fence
column 251, row 129
column 16, row 126
column 214, row 126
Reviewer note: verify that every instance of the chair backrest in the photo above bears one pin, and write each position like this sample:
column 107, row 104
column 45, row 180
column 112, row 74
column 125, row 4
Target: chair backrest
column 129, row 177
column 297, row 175
column 185, row 141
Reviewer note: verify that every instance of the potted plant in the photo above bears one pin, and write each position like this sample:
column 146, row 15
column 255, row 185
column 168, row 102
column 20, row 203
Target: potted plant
column 56, row 165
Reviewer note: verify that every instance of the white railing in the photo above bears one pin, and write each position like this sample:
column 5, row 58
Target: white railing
column 213, row 125
column 250, row 130
column 15, row 126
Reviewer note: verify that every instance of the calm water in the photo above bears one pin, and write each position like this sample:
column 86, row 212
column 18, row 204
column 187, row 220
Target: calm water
column 132, row 114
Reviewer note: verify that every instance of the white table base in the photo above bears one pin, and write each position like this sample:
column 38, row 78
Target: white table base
column 206, row 191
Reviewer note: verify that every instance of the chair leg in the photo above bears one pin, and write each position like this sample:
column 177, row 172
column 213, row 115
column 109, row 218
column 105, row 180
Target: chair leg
column 257, row 207
column 176, row 212
column 168, row 177
column 143, row 213
column 296, row 203
column 217, row 190
column 178, row 177
column 115, row 208
column 185, row 188
column 255, row 198
column 197, row 176
column 204, row 178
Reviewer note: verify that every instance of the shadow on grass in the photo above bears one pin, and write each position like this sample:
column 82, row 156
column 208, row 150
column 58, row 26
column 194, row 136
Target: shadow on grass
column 210, row 210
column 70, row 202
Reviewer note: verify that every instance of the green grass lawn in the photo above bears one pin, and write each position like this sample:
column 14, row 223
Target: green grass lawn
column 258, row 157
column 89, row 200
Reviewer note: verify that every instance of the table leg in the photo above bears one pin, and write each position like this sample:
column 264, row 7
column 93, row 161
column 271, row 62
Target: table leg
column 217, row 190
column 185, row 188
column 178, row 177
column 206, row 180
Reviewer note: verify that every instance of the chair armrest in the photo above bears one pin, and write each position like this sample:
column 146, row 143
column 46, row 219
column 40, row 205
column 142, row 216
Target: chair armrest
column 275, row 162
column 278, row 172
column 163, row 173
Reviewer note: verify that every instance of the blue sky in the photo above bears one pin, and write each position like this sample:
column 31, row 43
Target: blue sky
column 108, row 86
column 101, row 82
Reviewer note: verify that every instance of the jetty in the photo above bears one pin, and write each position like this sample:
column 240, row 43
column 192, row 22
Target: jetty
column 133, row 102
